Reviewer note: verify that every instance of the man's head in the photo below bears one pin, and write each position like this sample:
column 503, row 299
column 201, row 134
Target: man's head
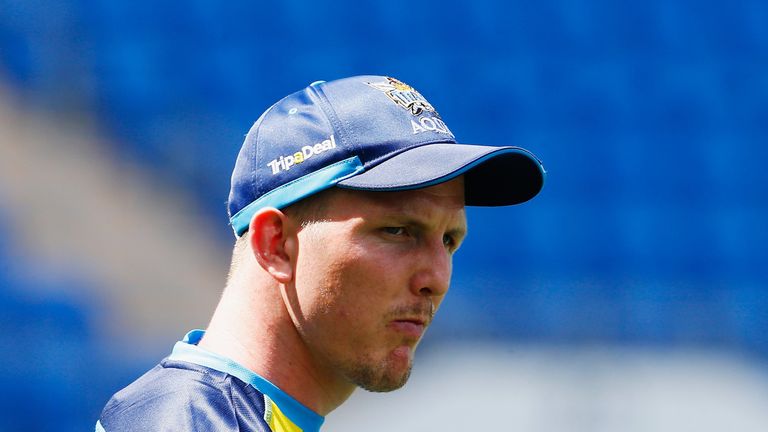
column 362, row 280
column 350, row 196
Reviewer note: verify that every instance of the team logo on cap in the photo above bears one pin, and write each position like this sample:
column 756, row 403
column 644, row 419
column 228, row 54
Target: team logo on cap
column 404, row 95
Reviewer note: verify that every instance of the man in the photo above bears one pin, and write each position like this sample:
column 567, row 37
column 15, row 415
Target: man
column 347, row 202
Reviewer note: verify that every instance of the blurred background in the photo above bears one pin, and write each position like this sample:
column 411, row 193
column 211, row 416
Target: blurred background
column 630, row 295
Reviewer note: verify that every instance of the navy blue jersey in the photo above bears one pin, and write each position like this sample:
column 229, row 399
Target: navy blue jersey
column 197, row 390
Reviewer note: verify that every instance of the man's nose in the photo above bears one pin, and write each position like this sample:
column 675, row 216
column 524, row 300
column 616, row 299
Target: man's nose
column 433, row 270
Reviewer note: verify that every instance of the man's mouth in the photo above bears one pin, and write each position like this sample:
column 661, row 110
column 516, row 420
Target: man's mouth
column 411, row 327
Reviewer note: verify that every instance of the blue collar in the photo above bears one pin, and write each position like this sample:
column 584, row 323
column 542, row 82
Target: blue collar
column 188, row 351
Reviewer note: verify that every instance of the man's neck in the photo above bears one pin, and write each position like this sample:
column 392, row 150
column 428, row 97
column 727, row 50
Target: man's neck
column 266, row 342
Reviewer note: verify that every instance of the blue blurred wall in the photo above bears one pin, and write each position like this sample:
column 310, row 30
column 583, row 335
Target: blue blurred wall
column 651, row 118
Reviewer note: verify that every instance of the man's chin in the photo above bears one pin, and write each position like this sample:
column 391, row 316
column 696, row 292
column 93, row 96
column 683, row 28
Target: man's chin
column 386, row 382
column 390, row 375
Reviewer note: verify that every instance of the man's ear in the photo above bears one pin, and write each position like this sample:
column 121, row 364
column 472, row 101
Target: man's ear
column 272, row 241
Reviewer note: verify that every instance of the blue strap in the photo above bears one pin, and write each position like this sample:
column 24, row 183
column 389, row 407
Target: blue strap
column 295, row 190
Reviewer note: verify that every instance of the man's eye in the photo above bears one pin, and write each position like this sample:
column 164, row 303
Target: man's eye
column 449, row 241
column 397, row 231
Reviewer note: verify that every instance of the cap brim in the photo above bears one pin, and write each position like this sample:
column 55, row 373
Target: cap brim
column 494, row 176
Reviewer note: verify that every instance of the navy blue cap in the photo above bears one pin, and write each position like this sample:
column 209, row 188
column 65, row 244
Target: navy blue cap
column 370, row 133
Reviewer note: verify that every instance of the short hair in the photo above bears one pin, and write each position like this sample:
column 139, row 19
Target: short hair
column 307, row 211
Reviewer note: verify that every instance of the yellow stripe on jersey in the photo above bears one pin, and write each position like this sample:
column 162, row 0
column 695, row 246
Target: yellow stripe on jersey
column 275, row 418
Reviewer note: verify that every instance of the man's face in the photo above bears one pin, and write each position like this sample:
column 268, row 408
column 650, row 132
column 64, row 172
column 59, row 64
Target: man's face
column 370, row 275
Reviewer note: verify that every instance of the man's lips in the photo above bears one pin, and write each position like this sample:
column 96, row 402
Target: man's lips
column 412, row 327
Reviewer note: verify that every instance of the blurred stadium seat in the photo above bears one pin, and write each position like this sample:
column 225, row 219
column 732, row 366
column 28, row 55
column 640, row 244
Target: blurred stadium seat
column 53, row 375
column 650, row 117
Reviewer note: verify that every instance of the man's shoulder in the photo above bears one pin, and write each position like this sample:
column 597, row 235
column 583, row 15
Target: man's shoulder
column 177, row 395
column 173, row 382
